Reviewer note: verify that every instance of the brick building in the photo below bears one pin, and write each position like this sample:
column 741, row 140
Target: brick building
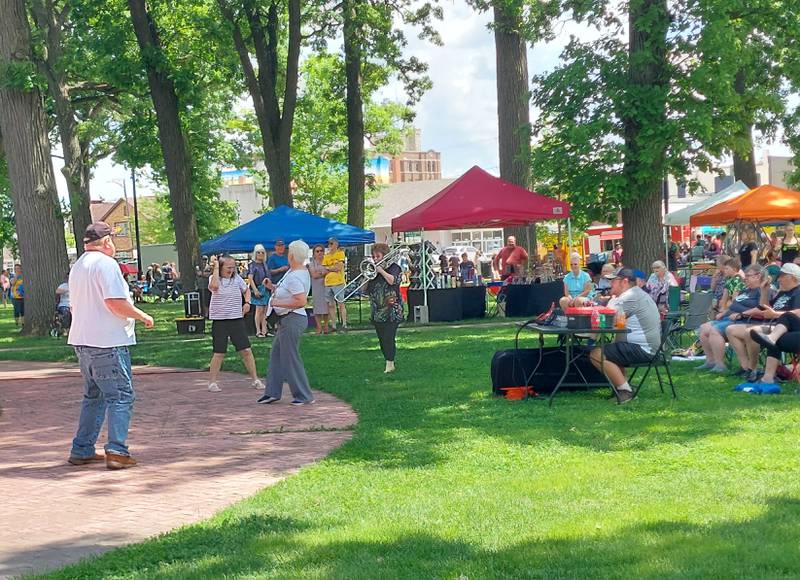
column 118, row 215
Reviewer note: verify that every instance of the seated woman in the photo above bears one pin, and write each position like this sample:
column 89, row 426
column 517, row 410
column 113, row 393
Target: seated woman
column 658, row 284
column 578, row 287
column 603, row 294
column 788, row 298
column 712, row 333
column 784, row 337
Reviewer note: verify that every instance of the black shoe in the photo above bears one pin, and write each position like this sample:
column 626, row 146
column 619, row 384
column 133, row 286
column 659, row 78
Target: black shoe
column 266, row 400
column 299, row 403
column 742, row 373
column 754, row 376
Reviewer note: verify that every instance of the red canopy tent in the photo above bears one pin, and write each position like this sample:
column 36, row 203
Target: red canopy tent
column 476, row 200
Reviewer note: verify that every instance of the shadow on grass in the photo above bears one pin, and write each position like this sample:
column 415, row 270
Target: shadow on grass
column 280, row 547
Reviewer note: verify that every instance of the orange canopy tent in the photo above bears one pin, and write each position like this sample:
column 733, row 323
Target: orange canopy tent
column 765, row 203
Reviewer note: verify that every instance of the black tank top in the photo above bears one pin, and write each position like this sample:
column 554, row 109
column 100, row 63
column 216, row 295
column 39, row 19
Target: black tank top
column 789, row 252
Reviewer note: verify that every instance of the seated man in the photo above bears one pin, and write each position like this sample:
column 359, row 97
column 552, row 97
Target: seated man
column 784, row 337
column 640, row 344
column 578, row 285
column 788, row 298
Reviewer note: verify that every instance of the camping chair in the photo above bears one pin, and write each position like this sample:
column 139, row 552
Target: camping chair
column 661, row 358
column 696, row 314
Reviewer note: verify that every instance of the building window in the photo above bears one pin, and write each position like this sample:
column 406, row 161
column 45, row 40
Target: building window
column 681, row 191
column 121, row 230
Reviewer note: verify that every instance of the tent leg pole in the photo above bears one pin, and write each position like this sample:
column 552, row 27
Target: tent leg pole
column 424, row 269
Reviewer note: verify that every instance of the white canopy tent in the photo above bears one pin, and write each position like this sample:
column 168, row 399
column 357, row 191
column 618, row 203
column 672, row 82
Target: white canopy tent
column 681, row 216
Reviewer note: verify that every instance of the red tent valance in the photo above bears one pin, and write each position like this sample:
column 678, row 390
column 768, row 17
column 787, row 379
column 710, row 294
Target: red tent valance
column 478, row 200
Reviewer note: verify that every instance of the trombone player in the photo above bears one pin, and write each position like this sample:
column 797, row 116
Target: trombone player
column 386, row 302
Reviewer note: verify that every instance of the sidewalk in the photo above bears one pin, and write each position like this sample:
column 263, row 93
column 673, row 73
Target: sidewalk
column 198, row 452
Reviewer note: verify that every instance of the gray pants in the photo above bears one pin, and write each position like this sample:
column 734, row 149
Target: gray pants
column 285, row 364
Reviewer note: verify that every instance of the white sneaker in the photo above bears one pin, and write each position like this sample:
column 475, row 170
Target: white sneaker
column 214, row 387
column 389, row 367
column 257, row 384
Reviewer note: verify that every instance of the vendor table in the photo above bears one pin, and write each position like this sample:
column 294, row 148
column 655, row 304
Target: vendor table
column 449, row 304
column 569, row 338
column 531, row 299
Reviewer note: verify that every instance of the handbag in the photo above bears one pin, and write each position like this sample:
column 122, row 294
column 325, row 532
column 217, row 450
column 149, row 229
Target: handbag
column 273, row 317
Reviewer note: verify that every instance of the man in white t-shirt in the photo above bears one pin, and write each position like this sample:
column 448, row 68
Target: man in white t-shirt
column 103, row 320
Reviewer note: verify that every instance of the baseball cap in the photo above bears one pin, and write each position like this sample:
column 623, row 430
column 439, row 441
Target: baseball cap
column 622, row 273
column 332, row 239
column 791, row 269
column 280, row 242
column 96, row 231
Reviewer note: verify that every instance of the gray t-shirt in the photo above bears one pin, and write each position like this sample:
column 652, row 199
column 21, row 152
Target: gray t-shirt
column 643, row 319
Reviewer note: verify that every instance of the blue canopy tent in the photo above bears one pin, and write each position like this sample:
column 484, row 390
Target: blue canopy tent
column 288, row 224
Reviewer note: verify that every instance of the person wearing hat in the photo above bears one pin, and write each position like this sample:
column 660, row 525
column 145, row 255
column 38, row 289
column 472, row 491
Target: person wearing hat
column 103, row 320
column 783, row 337
column 334, row 283
column 640, row 344
column 278, row 263
column 739, row 336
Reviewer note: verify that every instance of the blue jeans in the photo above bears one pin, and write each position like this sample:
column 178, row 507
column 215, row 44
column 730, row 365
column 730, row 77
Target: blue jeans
column 109, row 386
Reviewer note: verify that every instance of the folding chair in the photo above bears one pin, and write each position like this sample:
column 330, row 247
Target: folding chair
column 660, row 359
column 696, row 314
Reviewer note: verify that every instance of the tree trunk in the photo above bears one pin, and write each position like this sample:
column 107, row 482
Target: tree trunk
column 40, row 225
column 74, row 170
column 513, row 112
column 275, row 125
column 355, row 115
column 177, row 161
column 744, row 165
column 644, row 158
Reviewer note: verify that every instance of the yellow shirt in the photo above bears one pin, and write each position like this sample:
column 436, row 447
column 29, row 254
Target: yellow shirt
column 334, row 278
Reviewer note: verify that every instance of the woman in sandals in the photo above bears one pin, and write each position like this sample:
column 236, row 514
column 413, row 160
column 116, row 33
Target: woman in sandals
column 257, row 274
column 227, row 319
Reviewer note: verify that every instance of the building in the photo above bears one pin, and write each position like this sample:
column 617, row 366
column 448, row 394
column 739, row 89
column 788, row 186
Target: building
column 239, row 187
column 396, row 199
column 118, row 215
column 413, row 164
column 772, row 169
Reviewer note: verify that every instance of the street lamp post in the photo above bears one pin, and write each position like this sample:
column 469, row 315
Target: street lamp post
column 136, row 226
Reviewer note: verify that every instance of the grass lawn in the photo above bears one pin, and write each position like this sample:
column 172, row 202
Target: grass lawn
column 441, row 480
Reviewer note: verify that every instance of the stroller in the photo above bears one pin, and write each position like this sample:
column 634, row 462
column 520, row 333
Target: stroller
column 62, row 320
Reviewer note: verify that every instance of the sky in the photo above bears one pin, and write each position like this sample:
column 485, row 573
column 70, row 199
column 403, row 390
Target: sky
column 457, row 117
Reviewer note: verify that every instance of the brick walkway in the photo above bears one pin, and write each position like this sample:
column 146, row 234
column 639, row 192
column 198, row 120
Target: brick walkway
column 198, row 453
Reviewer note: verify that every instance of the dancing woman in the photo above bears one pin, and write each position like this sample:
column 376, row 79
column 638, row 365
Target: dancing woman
column 227, row 319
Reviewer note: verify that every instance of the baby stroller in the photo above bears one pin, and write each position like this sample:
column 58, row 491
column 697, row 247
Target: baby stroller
column 62, row 320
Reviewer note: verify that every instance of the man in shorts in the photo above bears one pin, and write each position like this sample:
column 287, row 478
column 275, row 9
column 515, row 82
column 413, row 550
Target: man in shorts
column 640, row 344
column 334, row 282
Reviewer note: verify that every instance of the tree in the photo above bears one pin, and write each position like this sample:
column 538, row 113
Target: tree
column 353, row 64
column 58, row 65
column 8, row 233
column 40, row 228
column 256, row 29
column 177, row 160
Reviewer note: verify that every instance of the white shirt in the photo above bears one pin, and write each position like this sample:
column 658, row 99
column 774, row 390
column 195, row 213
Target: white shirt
column 63, row 298
column 293, row 283
column 94, row 278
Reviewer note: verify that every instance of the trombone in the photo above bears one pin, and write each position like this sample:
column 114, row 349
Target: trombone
column 368, row 270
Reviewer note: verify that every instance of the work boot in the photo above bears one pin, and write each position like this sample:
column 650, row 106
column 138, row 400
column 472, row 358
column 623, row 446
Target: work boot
column 115, row 461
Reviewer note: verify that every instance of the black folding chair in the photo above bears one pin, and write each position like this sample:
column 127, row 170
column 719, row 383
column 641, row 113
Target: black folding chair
column 697, row 313
column 661, row 359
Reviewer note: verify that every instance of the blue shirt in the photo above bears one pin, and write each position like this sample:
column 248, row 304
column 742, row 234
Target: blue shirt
column 274, row 262
column 575, row 283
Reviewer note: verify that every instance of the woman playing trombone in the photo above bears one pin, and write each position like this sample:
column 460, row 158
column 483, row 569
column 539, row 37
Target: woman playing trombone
column 386, row 303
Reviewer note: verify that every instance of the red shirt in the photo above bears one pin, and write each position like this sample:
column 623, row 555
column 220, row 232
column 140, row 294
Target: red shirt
column 509, row 256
